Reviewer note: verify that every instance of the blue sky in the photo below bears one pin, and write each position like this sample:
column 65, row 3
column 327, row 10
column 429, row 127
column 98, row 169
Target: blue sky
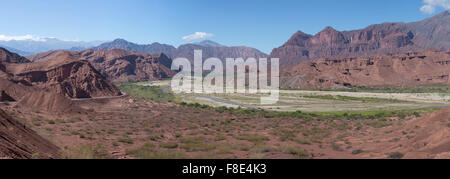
column 263, row 24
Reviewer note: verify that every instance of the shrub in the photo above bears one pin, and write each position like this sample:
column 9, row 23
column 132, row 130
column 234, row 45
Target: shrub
column 396, row 155
column 148, row 151
column 358, row 151
column 297, row 152
column 252, row 138
column 169, row 145
column 125, row 140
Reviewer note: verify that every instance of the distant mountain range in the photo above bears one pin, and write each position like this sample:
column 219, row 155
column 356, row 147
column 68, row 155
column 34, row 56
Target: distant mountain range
column 30, row 47
column 209, row 43
column 209, row 48
column 20, row 52
column 376, row 39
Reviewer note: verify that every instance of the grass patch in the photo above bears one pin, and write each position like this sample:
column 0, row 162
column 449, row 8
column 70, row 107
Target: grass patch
column 252, row 138
column 89, row 151
column 196, row 143
column 317, row 115
column 125, row 140
column 168, row 145
column 295, row 151
column 149, row 151
column 154, row 93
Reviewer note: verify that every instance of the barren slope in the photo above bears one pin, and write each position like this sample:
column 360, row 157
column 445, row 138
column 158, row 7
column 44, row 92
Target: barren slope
column 20, row 142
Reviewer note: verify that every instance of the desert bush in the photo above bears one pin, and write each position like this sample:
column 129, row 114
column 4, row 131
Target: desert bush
column 125, row 140
column 295, row 151
column 255, row 138
column 168, row 145
column 396, row 155
column 89, row 151
column 149, row 151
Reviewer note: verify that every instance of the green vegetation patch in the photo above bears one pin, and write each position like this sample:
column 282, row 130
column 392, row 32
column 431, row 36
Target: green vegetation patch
column 318, row 115
column 89, row 151
column 149, row 151
column 252, row 138
column 154, row 93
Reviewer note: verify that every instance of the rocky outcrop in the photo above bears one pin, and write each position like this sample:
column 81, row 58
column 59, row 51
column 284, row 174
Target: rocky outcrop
column 4, row 97
column 409, row 69
column 373, row 40
column 123, row 65
column 65, row 74
column 119, row 64
column 20, row 142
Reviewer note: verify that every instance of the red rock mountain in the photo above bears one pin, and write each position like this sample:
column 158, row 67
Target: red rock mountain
column 373, row 40
column 66, row 75
column 49, row 85
column 409, row 69
column 25, row 94
column 118, row 64
column 20, row 142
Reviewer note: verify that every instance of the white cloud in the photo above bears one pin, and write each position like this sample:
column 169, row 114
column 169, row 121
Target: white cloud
column 431, row 5
column 198, row 35
column 24, row 37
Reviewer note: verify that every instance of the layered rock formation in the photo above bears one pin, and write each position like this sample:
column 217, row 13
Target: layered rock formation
column 65, row 74
column 20, row 142
column 47, row 86
column 409, row 69
column 123, row 65
column 118, row 64
column 375, row 39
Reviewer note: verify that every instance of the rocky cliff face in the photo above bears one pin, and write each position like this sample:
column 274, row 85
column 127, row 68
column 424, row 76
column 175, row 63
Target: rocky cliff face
column 123, row 65
column 20, row 142
column 375, row 39
column 63, row 74
column 409, row 69
column 119, row 64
